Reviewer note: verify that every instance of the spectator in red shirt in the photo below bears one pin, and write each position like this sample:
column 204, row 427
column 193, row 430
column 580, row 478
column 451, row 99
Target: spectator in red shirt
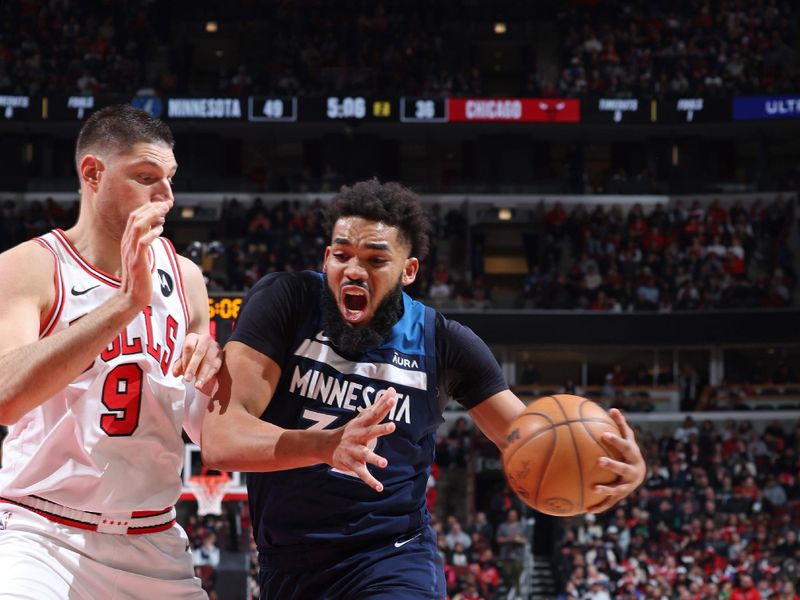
column 653, row 240
column 716, row 213
column 734, row 265
column 556, row 218
column 745, row 590
column 486, row 573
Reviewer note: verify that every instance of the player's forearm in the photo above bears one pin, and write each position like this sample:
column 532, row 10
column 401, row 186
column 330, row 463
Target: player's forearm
column 238, row 441
column 34, row 372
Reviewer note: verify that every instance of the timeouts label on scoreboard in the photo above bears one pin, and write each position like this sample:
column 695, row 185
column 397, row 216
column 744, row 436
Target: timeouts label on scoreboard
column 15, row 107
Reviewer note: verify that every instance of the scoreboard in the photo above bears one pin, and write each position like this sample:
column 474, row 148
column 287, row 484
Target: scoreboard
column 423, row 110
column 223, row 310
column 409, row 109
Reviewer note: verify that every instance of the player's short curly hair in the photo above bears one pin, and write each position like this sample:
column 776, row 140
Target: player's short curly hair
column 119, row 127
column 389, row 203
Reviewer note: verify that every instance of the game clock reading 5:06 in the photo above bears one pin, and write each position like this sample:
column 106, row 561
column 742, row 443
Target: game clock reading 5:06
column 224, row 307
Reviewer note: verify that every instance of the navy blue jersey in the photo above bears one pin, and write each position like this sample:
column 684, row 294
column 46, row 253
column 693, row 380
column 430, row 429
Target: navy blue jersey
column 321, row 388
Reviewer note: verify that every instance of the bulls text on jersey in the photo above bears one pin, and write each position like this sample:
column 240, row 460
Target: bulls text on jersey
column 162, row 352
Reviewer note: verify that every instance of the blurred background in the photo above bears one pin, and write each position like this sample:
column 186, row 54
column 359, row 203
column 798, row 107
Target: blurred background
column 613, row 190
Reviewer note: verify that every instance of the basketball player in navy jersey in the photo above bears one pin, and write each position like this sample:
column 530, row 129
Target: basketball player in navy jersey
column 331, row 391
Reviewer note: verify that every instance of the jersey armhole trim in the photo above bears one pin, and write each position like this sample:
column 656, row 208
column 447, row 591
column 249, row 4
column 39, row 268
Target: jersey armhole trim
column 95, row 272
column 48, row 324
column 176, row 268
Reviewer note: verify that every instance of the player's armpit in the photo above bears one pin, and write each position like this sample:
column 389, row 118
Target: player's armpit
column 200, row 358
column 196, row 296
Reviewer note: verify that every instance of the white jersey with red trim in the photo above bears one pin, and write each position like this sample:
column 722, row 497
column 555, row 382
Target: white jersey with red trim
column 111, row 440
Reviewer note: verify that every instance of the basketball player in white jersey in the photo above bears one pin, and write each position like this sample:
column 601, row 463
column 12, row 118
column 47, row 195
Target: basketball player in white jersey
column 104, row 340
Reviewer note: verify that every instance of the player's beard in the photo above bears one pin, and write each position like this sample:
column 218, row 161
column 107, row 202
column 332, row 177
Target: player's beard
column 353, row 341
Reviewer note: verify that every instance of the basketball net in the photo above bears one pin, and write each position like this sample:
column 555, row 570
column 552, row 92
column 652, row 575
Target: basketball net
column 209, row 490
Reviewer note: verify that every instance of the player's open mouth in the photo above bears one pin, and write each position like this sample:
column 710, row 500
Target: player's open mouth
column 354, row 304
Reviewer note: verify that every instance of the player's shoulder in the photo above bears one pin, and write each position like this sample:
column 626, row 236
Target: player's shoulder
column 455, row 340
column 28, row 269
column 452, row 331
column 189, row 270
column 186, row 263
column 31, row 248
column 32, row 259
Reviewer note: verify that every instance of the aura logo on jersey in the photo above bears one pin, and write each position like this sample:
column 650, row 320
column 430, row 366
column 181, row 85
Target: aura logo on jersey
column 404, row 361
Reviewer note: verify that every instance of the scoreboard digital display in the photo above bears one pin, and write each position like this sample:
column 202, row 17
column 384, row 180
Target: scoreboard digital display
column 15, row 108
column 766, row 108
column 272, row 109
column 407, row 109
column 510, row 110
column 204, row 108
column 423, row 110
column 70, row 108
column 694, row 110
column 223, row 310
column 348, row 108
column 619, row 110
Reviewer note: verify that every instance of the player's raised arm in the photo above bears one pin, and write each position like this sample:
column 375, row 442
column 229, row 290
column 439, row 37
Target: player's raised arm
column 33, row 369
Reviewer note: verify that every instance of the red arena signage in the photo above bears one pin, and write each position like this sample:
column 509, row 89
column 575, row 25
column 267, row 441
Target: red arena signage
column 514, row 110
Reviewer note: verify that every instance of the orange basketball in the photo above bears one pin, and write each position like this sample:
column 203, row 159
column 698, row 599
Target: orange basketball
column 551, row 457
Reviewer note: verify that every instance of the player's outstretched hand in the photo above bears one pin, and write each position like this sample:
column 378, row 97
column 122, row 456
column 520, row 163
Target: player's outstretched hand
column 200, row 361
column 630, row 470
column 359, row 438
column 144, row 225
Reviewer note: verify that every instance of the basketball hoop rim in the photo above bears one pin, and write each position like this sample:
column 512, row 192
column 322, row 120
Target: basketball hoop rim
column 211, row 483
column 221, row 477
column 209, row 491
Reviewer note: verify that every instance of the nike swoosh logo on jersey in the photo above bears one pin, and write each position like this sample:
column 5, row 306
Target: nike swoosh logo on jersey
column 404, row 542
column 82, row 292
